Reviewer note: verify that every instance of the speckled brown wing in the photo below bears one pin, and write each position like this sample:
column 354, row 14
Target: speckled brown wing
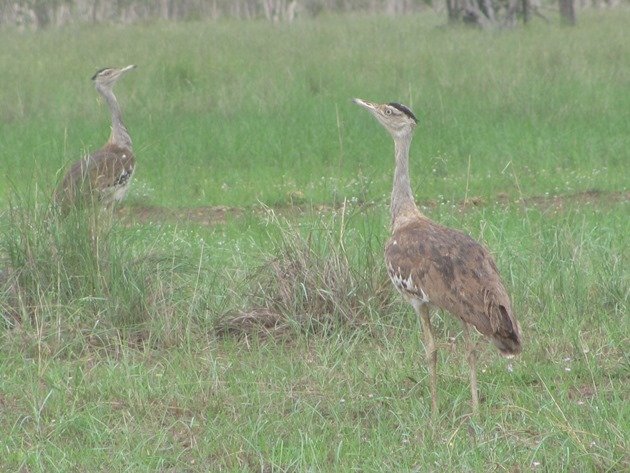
column 106, row 174
column 452, row 271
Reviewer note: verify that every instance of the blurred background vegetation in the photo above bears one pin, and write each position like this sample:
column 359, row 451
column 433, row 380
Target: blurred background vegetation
column 485, row 13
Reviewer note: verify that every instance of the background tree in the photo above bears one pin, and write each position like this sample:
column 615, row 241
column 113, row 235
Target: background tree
column 482, row 13
column 567, row 12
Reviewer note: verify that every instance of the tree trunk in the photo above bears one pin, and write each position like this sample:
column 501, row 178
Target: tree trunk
column 567, row 12
column 488, row 14
column 452, row 6
column 525, row 4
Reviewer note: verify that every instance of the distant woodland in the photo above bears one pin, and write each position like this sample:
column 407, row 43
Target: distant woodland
column 36, row 14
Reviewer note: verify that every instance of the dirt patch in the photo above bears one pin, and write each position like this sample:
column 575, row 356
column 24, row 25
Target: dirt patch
column 550, row 202
column 206, row 215
column 214, row 215
column 592, row 196
column 580, row 393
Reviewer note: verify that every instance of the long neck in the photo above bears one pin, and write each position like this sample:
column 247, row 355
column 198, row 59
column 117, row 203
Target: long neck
column 402, row 199
column 119, row 134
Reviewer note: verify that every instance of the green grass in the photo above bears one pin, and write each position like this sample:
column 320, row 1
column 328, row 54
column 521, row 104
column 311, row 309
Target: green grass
column 226, row 113
column 133, row 353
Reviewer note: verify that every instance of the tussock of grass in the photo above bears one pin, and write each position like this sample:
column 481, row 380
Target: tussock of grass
column 80, row 276
column 307, row 280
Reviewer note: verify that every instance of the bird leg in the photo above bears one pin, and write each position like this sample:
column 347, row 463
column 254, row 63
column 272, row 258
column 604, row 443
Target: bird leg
column 471, row 355
column 431, row 351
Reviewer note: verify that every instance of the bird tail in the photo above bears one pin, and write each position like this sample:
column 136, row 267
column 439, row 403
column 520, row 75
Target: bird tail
column 508, row 336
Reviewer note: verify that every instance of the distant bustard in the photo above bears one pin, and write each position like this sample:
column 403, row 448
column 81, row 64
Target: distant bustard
column 432, row 265
column 105, row 175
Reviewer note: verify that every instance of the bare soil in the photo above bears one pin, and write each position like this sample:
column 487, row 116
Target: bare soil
column 214, row 215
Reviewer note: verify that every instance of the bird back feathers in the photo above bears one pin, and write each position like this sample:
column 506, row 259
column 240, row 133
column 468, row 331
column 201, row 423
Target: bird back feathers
column 99, row 175
column 452, row 271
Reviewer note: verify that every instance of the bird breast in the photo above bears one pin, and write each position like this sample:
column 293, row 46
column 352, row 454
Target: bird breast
column 121, row 186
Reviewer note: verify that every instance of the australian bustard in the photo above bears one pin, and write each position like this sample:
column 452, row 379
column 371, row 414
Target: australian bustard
column 432, row 265
column 106, row 174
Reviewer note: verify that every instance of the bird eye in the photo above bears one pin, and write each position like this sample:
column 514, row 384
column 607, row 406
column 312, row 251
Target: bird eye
column 388, row 111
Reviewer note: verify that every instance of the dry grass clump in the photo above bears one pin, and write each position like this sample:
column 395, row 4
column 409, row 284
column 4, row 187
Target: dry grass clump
column 312, row 277
column 9, row 297
column 78, row 279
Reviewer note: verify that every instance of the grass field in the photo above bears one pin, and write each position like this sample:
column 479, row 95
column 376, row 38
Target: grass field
column 238, row 316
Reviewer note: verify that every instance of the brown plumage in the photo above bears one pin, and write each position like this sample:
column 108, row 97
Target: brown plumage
column 435, row 266
column 105, row 175
column 452, row 271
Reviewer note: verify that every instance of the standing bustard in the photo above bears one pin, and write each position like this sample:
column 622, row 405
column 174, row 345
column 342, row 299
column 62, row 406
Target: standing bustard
column 106, row 174
column 432, row 265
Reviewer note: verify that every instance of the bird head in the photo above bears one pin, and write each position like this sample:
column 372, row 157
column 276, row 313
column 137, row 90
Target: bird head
column 107, row 77
column 396, row 118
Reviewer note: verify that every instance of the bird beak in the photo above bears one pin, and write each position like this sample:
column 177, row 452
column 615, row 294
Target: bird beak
column 128, row 68
column 367, row 105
